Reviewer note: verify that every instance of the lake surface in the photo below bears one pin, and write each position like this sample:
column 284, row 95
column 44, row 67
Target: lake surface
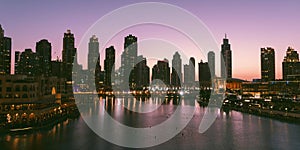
column 231, row 130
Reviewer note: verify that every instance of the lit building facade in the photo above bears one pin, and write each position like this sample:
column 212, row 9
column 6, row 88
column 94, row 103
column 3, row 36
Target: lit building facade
column 267, row 56
column 291, row 65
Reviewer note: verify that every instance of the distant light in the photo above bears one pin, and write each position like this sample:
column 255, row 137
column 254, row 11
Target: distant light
column 267, row 100
column 181, row 93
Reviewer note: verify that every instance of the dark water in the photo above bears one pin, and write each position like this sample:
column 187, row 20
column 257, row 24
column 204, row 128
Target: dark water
column 231, row 130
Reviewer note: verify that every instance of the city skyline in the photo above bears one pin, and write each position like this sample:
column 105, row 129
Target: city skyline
column 43, row 50
column 248, row 31
column 160, row 74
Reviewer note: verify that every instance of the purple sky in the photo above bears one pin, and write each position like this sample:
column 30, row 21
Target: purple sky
column 250, row 25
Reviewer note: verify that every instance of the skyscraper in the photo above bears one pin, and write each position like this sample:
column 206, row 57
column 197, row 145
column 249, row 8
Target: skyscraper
column 226, row 58
column 161, row 71
column 68, row 53
column 27, row 63
column 109, row 67
column 57, row 68
column 204, row 75
column 176, row 75
column 192, row 65
column 189, row 72
column 93, row 53
column 128, row 60
column 1, row 38
column 43, row 52
column 17, row 62
column 211, row 62
column 204, row 71
column 5, row 53
column 291, row 65
column 142, row 73
column 267, row 64
column 186, row 72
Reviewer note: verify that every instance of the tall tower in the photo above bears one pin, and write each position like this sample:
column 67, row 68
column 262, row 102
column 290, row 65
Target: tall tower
column 211, row 62
column 5, row 53
column 43, row 52
column 93, row 53
column 176, row 75
column 226, row 58
column 290, row 64
column 109, row 67
column 267, row 56
column 128, row 60
column 69, row 52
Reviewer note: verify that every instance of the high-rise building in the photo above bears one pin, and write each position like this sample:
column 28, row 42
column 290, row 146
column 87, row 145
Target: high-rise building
column 99, row 76
column 17, row 62
column 68, row 54
column 128, row 60
column 226, row 59
column 93, row 53
column 43, row 52
column 1, row 36
column 186, row 72
column 192, row 65
column 176, row 75
column 142, row 73
column 189, row 73
column 161, row 71
column 5, row 53
column 1, row 40
column 267, row 64
column 109, row 67
column 57, row 68
column 211, row 62
column 291, row 65
column 204, row 74
column 204, row 71
column 27, row 63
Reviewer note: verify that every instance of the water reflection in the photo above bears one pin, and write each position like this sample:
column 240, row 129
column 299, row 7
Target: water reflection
column 231, row 130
